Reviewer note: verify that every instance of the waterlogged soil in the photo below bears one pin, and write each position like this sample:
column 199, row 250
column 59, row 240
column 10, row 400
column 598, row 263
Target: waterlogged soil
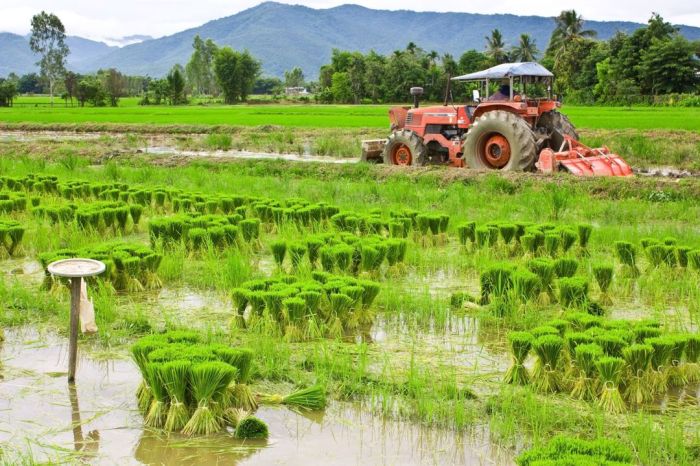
column 96, row 421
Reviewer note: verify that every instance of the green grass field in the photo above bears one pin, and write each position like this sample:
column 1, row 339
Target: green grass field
column 318, row 116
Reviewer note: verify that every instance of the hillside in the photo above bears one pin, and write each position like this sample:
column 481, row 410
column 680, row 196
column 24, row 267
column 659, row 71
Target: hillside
column 284, row 36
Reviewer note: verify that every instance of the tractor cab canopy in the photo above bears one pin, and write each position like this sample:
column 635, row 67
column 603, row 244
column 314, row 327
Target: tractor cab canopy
column 522, row 73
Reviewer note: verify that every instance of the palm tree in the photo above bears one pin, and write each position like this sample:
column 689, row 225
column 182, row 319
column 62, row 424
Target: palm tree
column 526, row 49
column 411, row 47
column 495, row 48
column 569, row 27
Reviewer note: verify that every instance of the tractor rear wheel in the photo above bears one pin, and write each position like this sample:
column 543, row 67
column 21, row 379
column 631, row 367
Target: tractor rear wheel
column 404, row 147
column 500, row 140
column 558, row 126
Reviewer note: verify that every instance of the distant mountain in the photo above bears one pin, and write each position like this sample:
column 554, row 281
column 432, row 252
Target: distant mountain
column 283, row 36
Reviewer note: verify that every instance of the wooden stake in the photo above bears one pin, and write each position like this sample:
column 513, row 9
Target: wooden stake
column 74, row 316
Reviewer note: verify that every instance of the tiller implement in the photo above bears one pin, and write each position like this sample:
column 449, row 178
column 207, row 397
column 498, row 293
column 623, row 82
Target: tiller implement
column 509, row 130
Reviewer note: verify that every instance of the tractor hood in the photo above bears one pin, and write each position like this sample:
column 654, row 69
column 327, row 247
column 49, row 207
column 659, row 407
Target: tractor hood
column 506, row 70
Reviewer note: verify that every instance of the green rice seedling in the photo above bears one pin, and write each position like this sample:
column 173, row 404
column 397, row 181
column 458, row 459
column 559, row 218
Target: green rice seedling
column 175, row 377
column 676, row 373
column 250, row 427
column 565, row 267
column 482, row 237
column 551, row 244
column 314, row 246
column 581, row 321
column 369, row 257
column 466, row 232
column 250, row 229
column 660, row 360
column 561, row 325
column 670, row 241
column 370, row 290
column 637, row 388
column 296, row 312
column 548, row 349
column 542, row 330
column 297, row 252
column 529, row 243
column 527, row 285
column 573, row 339
column 610, row 372
column 584, row 235
column 642, row 332
column 692, row 358
column 396, row 230
column 496, row 281
column 520, row 345
column 242, row 360
column 568, row 451
column 507, row 231
column 568, row 238
column 694, row 259
column 158, row 410
column 207, row 379
column 573, row 291
column 603, row 274
column 312, row 300
column 627, row 255
column 585, row 383
column 611, row 343
column 493, row 235
column 240, row 298
column 655, row 254
column 682, row 256
column 434, row 224
column 544, row 269
column 669, row 256
column 139, row 352
column 327, row 254
column 279, row 250
column 197, row 238
column 309, row 399
column 342, row 256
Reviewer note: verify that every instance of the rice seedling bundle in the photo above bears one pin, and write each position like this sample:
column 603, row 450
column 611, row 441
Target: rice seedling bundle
column 250, row 229
column 692, row 358
column 642, row 332
column 565, row 450
column 676, row 373
column 548, row 349
column 496, row 281
column 544, row 269
column 638, row 388
column 584, row 385
column 208, row 382
column 11, row 235
column 565, row 267
column 682, row 255
column 694, row 259
column 573, row 291
column 568, row 238
column 250, row 427
column 543, row 330
column 526, row 284
column 561, row 325
column 314, row 246
column 610, row 372
column 309, row 399
column 611, row 343
column 655, row 254
column 297, row 252
column 482, row 236
column 529, row 243
column 627, row 255
column 669, row 256
column 584, row 234
column 466, row 232
column 175, row 377
column 551, row 243
column 661, row 358
column 507, row 232
column 493, row 234
column 520, row 345
column 581, row 321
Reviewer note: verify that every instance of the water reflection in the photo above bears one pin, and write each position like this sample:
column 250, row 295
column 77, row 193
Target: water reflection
column 85, row 445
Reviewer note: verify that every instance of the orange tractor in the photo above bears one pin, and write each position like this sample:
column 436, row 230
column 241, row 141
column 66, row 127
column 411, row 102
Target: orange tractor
column 507, row 130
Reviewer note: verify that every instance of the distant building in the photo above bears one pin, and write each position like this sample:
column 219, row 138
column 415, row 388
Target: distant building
column 296, row 91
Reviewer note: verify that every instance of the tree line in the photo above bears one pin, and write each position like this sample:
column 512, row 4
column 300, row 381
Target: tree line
column 653, row 61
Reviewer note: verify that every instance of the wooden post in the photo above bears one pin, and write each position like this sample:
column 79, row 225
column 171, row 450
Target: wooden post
column 74, row 316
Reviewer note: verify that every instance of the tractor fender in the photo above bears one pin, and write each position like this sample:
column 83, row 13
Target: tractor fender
column 515, row 108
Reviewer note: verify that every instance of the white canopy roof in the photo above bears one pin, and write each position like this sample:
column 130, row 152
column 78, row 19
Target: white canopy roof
column 506, row 70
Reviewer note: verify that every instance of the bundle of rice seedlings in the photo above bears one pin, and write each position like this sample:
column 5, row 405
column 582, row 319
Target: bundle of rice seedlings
column 314, row 246
column 548, row 349
column 507, row 231
column 529, row 243
column 676, row 373
column 207, row 380
column 584, row 234
column 297, row 252
column 660, row 359
column 694, row 259
column 526, row 285
column 279, row 250
column 603, row 274
column 551, row 243
column 544, row 269
column 692, row 358
column 311, row 398
column 581, row 321
column 611, row 343
column 466, row 232
column 520, row 345
column 637, row 388
column 544, row 330
column 250, row 229
column 610, row 371
column 158, row 410
column 175, row 378
column 669, row 255
column 482, row 237
column 585, row 384
column 250, row 427
column 370, row 291
column 568, row 238
column 642, row 332
column 342, row 256
column 296, row 312
column 627, row 254
column 682, row 256
column 493, row 234
column 139, row 352
column 565, row 267
column 242, row 360
column 573, row 291
column 655, row 254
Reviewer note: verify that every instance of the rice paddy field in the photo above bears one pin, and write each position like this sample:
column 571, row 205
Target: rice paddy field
column 269, row 311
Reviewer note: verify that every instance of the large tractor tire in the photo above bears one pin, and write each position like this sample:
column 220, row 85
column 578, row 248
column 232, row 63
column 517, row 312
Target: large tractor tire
column 558, row 126
column 404, row 147
column 500, row 140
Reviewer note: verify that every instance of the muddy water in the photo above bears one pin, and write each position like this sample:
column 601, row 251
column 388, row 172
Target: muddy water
column 97, row 422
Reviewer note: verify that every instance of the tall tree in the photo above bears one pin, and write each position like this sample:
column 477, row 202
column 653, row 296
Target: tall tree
column 495, row 47
column 200, row 68
column 48, row 40
column 568, row 28
column 70, row 82
column 114, row 84
column 526, row 50
column 294, row 77
column 176, row 85
column 236, row 73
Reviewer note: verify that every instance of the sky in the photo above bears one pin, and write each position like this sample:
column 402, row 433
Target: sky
column 106, row 19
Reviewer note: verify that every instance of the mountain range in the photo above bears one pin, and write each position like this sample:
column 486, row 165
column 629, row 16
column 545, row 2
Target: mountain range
column 284, row 36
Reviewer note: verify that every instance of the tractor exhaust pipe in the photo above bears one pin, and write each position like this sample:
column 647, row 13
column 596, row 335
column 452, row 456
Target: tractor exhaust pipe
column 416, row 92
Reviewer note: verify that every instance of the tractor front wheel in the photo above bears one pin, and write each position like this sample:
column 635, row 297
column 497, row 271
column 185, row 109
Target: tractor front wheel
column 500, row 140
column 404, row 147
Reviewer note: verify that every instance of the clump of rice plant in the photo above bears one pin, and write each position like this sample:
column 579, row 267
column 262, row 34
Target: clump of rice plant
column 496, row 281
column 207, row 380
column 611, row 343
column 552, row 242
column 482, row 237
column 548, row 349
column 660, row 359
column 637, row 387
column 692, row 358
column 297, row 252
column 563, row 450
column 175, row 376
column 279, row 251
column 544, row 269
column 584, row 235
column 251, row 427
column 459, row 298
column 568, row 238
column 158, row 411
column 694, row 259
column 610, row 371
column 565, row 267
column 527, row 285
column 603, row 274
column 676, row 373
column 573, row 291
column 310, row 398
column 585, row 384
column 242, row 359
column 520, row 345
column 627, row 255
column 466, row 233
column 507, row 231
